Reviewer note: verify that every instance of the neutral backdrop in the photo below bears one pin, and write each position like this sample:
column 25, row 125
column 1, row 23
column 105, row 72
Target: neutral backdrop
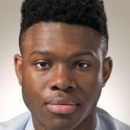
column 115, row 96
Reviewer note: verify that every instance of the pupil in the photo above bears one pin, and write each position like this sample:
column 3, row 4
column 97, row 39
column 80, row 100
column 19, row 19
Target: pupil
column 43, row 64
column 81, row 65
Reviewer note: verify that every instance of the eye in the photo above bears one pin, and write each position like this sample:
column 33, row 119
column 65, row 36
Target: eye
column 42, row 65
column 82, row 65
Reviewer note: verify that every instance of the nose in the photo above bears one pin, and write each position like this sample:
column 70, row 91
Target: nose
column 62, row 79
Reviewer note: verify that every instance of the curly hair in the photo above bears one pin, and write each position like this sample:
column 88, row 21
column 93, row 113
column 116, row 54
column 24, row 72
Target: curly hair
column 89, row 13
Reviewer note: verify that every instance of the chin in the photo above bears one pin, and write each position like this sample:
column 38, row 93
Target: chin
column 60, row 122
column 61, row 126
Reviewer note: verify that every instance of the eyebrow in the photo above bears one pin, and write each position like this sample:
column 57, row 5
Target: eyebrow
column 75, row 55
column 79, row 54
column 47, row 53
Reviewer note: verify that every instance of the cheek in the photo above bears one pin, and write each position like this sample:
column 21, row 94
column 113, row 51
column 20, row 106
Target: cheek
column 91, row 85
column 90, row 81
column 33, row 89
column 91, row 90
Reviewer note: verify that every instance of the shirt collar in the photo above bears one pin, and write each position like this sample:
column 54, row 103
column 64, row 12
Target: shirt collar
column 29, row 125
column 98, row 123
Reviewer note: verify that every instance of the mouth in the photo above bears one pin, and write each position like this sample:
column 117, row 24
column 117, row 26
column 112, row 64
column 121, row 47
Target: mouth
column 62, row 105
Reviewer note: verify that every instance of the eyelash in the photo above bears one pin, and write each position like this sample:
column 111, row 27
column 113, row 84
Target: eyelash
column 82, row 64
column 46, row 64
column 42, row 63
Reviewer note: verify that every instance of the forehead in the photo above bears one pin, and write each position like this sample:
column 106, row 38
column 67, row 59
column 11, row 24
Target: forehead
column 82, row 32
column 60, row 36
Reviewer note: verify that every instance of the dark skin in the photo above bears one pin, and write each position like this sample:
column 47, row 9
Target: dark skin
column 62, row 63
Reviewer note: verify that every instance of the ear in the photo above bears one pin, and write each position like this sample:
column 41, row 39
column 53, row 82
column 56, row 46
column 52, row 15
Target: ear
column 18, row 67
column 107, row 68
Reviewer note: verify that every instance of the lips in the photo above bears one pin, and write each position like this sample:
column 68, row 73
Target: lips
column 62, row 105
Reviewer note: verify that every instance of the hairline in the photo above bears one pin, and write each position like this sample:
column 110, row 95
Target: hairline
column 104, row 41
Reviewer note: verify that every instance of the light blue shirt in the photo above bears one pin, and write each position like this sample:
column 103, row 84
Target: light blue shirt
column 104, row 122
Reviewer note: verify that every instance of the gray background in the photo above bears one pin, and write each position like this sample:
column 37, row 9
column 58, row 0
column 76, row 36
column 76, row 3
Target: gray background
column 115, row 96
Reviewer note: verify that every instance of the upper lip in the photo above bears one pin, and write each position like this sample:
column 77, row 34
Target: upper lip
column 62, row 101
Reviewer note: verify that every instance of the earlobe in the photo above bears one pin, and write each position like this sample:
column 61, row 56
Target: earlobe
column 18, row 67
column 107, row 68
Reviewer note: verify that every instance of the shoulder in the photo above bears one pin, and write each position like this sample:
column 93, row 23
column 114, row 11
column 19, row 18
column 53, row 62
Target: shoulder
column 17, row 123
column 110, row 123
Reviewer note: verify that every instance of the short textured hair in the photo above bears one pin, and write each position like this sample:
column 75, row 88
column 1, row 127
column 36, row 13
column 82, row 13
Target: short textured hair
column 89, row 13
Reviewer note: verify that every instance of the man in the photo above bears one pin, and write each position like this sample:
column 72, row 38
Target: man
column 63, row 66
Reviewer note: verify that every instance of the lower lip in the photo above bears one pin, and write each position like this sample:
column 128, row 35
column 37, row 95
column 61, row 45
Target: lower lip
column 61, row 109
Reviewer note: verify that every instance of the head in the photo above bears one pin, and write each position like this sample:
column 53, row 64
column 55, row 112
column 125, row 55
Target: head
column 63, row 64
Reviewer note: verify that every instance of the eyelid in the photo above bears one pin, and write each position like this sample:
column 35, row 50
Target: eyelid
column 82, row 61
column 41, row 60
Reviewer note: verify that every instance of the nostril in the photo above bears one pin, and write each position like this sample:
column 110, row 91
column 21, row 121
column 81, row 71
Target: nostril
column 55, row 88
column 70, row 88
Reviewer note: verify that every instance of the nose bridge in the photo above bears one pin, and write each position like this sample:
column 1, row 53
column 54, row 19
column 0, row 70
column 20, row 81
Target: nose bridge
column 62, row 69
column 61, row 78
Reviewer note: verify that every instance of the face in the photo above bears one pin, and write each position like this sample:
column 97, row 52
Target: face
column 62, row 72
